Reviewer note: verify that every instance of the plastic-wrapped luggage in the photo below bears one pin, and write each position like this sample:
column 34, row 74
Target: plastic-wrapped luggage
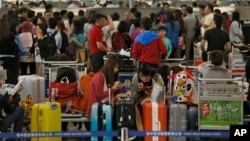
column 34, row 85
column 177, row 119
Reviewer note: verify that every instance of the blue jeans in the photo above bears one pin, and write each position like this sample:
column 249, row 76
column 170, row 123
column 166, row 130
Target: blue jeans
column 192, row 117
column 17, row 117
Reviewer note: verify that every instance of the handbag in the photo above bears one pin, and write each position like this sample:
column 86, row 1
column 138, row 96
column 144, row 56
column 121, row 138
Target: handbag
column 63, row 92
column 138, row 118
column 204, row 56
column 71, row 49
column 181, row 42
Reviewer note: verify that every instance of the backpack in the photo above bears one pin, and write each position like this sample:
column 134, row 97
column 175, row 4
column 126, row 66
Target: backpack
column 197, row 29
column 51, row 50
column 65, row 42
column 121, row 41
column 66, row 72
column 183, row 86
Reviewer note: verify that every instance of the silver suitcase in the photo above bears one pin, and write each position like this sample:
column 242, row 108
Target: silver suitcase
column 177, row 119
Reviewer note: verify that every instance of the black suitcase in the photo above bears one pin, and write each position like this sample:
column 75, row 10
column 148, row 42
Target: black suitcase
column 124, row 114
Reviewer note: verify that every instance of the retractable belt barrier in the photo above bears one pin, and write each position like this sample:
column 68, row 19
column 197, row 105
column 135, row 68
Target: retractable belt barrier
column 125, row 134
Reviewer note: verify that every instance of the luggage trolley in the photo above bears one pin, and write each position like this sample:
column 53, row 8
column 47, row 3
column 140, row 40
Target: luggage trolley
column 240, row 54
column 220, row 103
column 50, row 69
column 172, row 61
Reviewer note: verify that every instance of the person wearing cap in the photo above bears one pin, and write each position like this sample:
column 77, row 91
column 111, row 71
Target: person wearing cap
column 27, row 38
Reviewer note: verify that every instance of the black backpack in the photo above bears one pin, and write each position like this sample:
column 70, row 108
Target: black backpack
column 51, row 47
column 197, row 29
column 66, row 72
column 65, row 42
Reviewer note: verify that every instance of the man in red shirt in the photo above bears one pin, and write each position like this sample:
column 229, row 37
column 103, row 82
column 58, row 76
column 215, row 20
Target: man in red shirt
column 98, row 46
column 148, row 47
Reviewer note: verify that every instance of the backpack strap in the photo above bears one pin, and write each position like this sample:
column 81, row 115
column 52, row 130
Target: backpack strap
column 54, row 34
column 197, row 20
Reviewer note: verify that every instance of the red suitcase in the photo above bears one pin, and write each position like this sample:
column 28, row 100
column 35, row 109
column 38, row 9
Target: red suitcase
column 155, row 119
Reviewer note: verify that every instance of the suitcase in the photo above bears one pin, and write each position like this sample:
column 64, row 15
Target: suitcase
column 177, row 119
column 124, row 113
column 46, row 117
column 154, row 119
column 101, row 120
column 34, row 86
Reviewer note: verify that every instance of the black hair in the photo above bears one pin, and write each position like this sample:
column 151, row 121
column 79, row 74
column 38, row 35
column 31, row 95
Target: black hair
column 170, row 18
column 152, row 16
column 137, row 22
column 165, row 3
column 137, row 14
column 98, row 16
column 43, row 27
column 217, row 11
column 70, row 15
column 48, row 6
column 30, row 13
column 39, row 14
column 133, row 10
column 202, row 6
column 52, row 22
column 23, row 9
column 146, row 70
column 63, row 12
column 210, row 6
column 34, row 20
column 218, row 19
column 122, row 26
column 189, row 10
column 216, row 57
column 115, row 16
column 162, row 28
column 13, row 24
column 183, row 5
column 81, row 13
column 194, row 4
column 56, row 14
column 146, row 23
column 236, row 17
column 77, row 26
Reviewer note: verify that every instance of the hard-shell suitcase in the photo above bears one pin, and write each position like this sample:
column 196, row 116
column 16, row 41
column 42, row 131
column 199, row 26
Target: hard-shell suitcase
column 101, row 119
column 177, row 119
column 34, row 85
column 154, row 119
column 124, row 114
column 46, row 117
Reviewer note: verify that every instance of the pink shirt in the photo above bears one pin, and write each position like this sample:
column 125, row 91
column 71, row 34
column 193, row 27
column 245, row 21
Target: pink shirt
column 97, row 91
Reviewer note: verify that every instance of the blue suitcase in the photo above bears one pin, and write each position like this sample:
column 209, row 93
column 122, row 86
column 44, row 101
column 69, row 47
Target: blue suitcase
column 101, row 120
